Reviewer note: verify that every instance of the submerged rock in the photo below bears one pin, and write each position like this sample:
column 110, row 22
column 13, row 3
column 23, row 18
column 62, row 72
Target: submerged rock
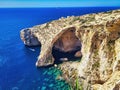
column 99, row 35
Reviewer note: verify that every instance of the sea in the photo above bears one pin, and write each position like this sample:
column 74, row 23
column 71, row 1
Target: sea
column 17, row 61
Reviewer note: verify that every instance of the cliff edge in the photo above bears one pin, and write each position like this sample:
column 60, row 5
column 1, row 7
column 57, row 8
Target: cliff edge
column 99, row 34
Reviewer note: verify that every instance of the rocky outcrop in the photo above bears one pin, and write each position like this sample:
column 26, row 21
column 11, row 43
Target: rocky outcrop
column 99, row 68
column 28, row 38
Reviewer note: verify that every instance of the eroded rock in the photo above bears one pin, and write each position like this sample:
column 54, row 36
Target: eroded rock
column 28, row 38
column 99, row 35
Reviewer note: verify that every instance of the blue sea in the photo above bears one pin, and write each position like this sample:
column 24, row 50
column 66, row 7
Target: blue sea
column 17, row 62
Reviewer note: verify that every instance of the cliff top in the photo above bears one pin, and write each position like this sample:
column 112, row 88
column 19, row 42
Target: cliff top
column 86, row 20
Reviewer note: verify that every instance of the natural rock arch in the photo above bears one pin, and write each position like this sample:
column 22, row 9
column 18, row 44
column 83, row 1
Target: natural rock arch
column 67, row 46
column 46, row 57
column 100, row 38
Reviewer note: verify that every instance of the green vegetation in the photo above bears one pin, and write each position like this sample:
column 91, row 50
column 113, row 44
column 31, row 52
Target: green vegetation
column 77, row 86
column 76, row 18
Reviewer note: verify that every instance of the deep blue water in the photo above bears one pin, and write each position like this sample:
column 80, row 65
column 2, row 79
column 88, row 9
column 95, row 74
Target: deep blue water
column 17, row 62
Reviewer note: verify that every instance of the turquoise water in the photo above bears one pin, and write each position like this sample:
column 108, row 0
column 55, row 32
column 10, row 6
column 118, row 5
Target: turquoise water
column 17, row 62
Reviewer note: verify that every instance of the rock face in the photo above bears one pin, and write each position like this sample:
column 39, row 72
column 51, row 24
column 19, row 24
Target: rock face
column 28, row 38
column 99, row 68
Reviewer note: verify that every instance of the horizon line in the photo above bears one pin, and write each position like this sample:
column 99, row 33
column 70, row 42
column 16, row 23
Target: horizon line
column 61, row 7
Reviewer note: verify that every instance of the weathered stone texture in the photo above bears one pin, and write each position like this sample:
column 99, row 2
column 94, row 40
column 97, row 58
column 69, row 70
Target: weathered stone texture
column 99, row 68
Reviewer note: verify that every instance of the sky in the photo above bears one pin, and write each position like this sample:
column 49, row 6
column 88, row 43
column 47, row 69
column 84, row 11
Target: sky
column 58, row 3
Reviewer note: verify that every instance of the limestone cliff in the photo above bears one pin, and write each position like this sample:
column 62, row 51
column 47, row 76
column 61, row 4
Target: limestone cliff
column 99, row 68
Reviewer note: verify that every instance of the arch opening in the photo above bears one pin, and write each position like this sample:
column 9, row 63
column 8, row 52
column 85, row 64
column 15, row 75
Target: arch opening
column 67, row 47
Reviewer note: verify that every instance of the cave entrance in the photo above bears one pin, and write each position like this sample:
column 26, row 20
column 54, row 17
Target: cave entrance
column 67, row 47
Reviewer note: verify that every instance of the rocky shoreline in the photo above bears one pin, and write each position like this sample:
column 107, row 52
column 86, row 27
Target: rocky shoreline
column 99, row 68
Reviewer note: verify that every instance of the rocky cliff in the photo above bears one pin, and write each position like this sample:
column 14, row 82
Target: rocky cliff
column 99, row 68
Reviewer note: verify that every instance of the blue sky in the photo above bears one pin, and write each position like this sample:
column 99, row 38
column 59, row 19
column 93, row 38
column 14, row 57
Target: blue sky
column 58, row 3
